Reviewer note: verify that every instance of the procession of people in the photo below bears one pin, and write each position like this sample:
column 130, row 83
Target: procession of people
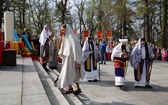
column 80, row 58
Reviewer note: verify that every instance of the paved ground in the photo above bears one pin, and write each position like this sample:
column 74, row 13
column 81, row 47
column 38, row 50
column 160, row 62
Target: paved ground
column 21, row 85
column 105, row 93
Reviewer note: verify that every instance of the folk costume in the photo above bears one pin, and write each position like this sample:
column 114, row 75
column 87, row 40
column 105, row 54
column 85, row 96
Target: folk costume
column 54, row 53
column 90, row 60
column 44, row 47
column 71, row 53
column 141, row 60
column 120, row 55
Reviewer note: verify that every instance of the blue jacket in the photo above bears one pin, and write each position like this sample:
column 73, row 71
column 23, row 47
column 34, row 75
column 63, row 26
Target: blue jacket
column 103, row 46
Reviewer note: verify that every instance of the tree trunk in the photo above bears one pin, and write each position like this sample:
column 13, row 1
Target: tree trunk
column 124, row 23
column 147, row 21
column 100, row 17
column 164, row 24
column 1, row 12
column 23, row 12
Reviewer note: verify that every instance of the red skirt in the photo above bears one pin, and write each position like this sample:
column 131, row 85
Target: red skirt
column 108, row 56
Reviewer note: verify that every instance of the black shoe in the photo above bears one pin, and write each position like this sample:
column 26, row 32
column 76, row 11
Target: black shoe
column 122, row 87
column 90, row 80
column 55, row 82
column 136, row 86
column 76, row 92
column 101, row 62
column 95, row 80
column 148, row 86
column 104, row 63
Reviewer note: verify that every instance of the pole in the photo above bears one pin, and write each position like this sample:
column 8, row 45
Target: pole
column 99, row 60
column 126, row 69
column 150, row 68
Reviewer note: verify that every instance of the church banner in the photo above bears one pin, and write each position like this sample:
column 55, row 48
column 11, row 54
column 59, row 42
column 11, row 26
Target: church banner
column 108, row 34
column 85, row 33
column 74, row 32
column 61, row 33
column 99, row 35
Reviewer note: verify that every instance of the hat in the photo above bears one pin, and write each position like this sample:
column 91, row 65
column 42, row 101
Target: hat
column 142, row 39
column 89, row 38
column 123, row 40
column 46, row 26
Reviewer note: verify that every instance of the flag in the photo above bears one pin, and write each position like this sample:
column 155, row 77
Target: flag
column 108, row 34
column 85, row 33
column 99, row 35
column 74, row 31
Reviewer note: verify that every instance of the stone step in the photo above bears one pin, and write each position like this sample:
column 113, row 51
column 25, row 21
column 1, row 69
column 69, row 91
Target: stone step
column 54, row 95
column 33, row 92
column 72, row 99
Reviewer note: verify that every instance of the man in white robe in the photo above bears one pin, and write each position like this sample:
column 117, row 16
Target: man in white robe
column 141, row 60
column 72, row 63
column 120, row 55
column 90, row 60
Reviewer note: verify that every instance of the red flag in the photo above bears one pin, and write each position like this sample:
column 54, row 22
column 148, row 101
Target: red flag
column 99, row 35
column 74, row 31
column 108, row 33
column 85, row 33
column 61, row 33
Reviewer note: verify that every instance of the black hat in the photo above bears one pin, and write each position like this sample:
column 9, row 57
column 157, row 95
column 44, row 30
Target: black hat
column 142, row 39
column 89, row 38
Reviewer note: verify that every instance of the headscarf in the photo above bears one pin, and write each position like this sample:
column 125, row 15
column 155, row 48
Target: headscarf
column 86, row 51
column 70, row 46
column 135, row 56
column 118, row 49
column 44, row 35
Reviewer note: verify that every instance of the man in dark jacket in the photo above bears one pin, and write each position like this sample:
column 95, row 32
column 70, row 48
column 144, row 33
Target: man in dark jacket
column 103, row 46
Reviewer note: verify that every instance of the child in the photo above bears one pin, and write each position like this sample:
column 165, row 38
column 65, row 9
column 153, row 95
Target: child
column 164, row 55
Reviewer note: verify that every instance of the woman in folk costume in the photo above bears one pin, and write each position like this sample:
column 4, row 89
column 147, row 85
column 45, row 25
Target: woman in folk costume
column 141, row 60
column 44, row 46
column 120, row 55
column 53, row 53
column 90, row 60
column 72, row 63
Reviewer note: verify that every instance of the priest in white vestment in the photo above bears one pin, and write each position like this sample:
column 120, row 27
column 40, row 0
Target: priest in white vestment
column 72, row 63
column 90, row 53
column 120, row 55
column 141, row 61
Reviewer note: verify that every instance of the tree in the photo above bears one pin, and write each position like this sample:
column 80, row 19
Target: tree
column 1, row 12
column 5, row 5
column 164, row 23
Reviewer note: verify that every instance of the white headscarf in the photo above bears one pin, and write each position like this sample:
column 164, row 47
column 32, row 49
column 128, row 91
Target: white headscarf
column 86, row 51
column 118, row 51
column 135, row 56
column 44, row 35
column 70, row 46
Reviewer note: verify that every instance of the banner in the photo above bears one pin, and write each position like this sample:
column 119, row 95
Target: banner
column 108, row 34
column 74, row 32
column 85, row 33
column 99, row 35
column 61, row 33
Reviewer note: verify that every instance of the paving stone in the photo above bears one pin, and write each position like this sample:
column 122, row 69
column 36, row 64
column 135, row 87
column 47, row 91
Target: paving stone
column 10, row 89
column 10, row 99
column 40, row 99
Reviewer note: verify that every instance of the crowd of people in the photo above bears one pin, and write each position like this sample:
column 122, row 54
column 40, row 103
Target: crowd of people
column 80, row 58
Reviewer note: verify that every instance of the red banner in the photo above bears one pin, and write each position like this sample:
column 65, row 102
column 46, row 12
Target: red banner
column 99, row 35
column 74, row 31
column 85, row 33
column 61, row 33
column 108, row 34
